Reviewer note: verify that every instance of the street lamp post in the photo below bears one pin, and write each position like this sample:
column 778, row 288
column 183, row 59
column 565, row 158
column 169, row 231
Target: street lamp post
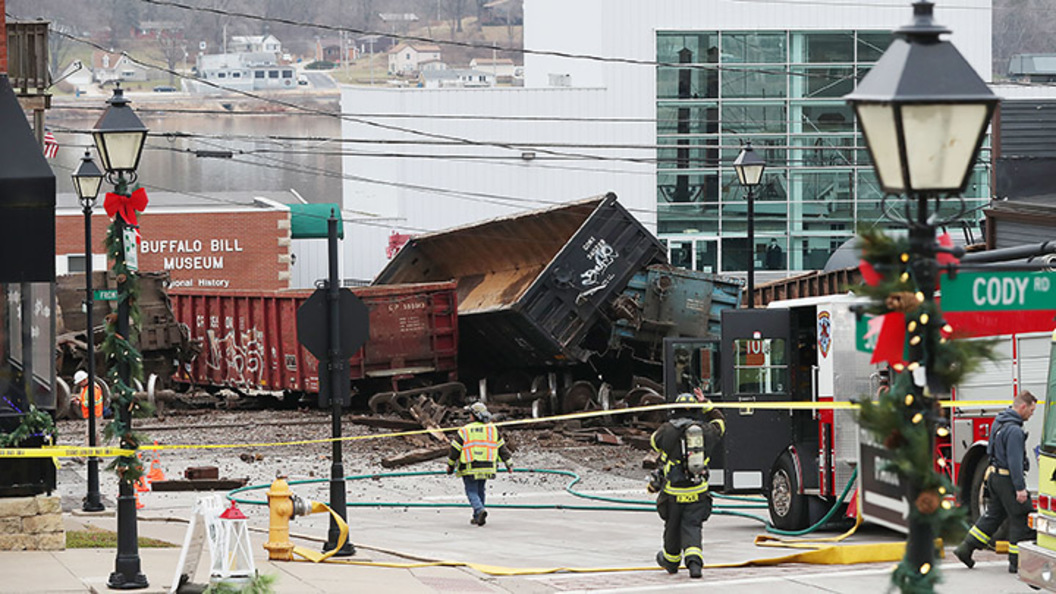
column 119, row 136
column 924, row 112
column 86, row 182
column 749, row 166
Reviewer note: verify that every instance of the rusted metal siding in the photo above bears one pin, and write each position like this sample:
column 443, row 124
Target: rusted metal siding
column 249, row 340
column 810, row 284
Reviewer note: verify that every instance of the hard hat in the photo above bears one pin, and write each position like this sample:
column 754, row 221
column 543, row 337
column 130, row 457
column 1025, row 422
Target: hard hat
column 478, row 410
column 686, row 397
column 80, row 376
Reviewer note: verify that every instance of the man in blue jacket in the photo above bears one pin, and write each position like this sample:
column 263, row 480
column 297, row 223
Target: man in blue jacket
column 1006, row 480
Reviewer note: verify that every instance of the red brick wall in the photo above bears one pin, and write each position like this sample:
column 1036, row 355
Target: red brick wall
column 201, row 250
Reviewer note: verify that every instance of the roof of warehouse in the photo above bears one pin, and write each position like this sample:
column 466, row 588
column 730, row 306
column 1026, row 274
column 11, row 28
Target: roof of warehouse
column 189, row 201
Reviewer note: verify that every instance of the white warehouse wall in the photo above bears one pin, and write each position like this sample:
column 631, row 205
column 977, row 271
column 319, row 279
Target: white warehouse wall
column 477, row 171
column 416, row 195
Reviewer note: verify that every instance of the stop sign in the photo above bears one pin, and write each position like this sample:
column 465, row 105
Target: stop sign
column 354, row 320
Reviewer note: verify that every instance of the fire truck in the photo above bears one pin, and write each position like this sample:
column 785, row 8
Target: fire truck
column 818, row 350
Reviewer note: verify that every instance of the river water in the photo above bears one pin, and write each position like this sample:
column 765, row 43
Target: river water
column 260, row 162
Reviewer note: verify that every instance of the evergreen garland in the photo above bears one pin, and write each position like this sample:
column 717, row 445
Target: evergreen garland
column 34, row 422
column 904, row 417
column 121, row 353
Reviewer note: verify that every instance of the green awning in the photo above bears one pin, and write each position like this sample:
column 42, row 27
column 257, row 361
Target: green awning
column 308, row 221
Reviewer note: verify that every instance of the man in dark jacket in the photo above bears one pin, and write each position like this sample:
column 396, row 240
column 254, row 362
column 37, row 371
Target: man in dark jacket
column 475, row 452
column 1006, row 480
column 684, row 502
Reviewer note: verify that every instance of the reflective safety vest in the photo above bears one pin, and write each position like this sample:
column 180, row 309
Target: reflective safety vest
column 98, row 402
column 479, row 450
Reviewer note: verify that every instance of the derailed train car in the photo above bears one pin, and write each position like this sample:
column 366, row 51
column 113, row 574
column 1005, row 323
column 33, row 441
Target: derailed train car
column 247, row 341
column 565, row 308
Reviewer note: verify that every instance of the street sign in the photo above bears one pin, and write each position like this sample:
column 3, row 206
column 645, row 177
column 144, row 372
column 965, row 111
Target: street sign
column 312, row 329
column 999, row 291
column 105, row 294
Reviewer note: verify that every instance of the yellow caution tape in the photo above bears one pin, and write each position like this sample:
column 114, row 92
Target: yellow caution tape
column 104, row 452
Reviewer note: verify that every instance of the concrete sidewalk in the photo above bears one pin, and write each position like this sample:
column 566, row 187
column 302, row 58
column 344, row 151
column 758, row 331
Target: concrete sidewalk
column 513, row 538
column 547, row 539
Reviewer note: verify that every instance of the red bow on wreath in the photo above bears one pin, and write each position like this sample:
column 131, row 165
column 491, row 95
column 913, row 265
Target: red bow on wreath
column 126, row 206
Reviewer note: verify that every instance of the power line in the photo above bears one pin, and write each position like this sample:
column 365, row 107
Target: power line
column 490, row 47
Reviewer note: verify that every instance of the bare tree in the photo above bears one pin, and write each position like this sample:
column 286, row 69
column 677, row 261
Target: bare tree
column 173, row 49
column 59, row 47
column 1020, row 26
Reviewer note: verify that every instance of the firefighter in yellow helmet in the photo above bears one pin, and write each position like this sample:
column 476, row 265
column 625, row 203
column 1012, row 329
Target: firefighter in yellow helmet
column 681, row 478
column 475, row 452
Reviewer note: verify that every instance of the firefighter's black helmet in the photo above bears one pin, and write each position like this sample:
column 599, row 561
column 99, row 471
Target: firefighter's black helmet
column 693, row 409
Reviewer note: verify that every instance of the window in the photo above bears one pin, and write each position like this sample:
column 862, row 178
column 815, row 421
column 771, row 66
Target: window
column 822, row 47
column 221, row 75
column 236, row 75
column 273, row 74
column 287, row 74
column 75, row 264
column 760, row 366
column 258, row 74
column 754, row 47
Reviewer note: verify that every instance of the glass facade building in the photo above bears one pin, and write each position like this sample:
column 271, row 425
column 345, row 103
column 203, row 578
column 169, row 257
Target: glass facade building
column 782, row 91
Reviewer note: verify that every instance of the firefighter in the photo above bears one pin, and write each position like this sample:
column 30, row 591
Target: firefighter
column 475, row 451
column 681, row 478
column 80, row 380
column 1006, row 481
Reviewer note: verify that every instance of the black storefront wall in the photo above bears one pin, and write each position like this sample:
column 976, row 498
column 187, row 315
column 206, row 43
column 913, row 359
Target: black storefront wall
column 27, row 277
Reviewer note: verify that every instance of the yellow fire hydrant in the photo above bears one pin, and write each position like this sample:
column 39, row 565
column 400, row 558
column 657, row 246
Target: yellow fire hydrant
column 280, row 506
column 283, row 504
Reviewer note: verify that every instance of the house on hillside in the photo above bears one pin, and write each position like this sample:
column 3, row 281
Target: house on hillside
column 250, row 71
column 1033, row 68
column 499, row 67
column 408, row 57
column 254, row 44
column 332, row 49
column 112, row 66
column 456, row 79
column 77, row 75
column 155, row 29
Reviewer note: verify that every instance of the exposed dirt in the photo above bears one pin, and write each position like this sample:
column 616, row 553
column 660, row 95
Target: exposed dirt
column 249, row 433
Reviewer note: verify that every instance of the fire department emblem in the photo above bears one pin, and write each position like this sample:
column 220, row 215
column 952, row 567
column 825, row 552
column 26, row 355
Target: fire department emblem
column 824, row 333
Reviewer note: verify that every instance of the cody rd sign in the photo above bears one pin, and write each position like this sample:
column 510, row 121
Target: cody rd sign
column 999, row 291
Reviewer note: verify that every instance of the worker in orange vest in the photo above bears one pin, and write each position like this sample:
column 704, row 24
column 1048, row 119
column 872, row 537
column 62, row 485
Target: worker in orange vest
column 80, row 379
column 475, row 452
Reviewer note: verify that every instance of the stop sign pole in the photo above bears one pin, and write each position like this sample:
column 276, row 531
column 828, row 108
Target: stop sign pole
column 337, row 366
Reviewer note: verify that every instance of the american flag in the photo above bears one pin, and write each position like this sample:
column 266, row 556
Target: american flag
column 51, row 146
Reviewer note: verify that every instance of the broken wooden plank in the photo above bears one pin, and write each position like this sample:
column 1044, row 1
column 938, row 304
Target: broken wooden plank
column 608, row 439
column 199, row 485
column 383, row 423
column 425, row 412
column 415, row 456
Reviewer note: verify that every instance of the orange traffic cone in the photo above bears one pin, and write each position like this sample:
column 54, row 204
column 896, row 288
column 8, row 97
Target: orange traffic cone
column 139, row 504
column 155, row 473
column 141, row 485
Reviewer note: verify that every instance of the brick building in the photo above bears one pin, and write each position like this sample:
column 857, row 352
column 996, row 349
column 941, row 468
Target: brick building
column 223, row 248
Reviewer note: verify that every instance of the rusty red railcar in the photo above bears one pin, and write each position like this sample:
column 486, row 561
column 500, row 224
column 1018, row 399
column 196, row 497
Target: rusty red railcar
column 248, row 340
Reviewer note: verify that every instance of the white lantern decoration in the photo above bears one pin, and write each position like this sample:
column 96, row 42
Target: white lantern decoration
column 229, row 545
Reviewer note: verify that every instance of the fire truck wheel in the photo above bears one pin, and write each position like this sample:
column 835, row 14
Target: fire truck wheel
column 788, row 507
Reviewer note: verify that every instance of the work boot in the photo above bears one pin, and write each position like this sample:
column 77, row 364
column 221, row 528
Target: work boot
column 964, row 552
column 1013, row 563
column 481, row 518
column 667, row 565
column 695, row 567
